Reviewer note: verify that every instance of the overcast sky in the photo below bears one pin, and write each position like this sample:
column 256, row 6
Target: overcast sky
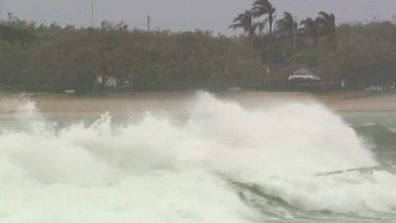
column 176, row 15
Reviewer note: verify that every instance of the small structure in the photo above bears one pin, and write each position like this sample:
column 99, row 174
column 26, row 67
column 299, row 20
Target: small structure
column 304, row 75
column 111, row 81
column 70, row 91
column 113, row 84
column 104, row 84
column 305, row 80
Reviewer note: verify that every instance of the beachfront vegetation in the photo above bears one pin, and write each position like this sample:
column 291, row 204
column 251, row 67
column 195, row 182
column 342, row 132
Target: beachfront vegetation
column 55, row 58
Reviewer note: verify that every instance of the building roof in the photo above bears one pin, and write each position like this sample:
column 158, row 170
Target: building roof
column 304, row 74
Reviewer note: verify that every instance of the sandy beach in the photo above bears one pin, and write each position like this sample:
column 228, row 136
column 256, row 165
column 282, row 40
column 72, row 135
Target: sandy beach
column 71, row 106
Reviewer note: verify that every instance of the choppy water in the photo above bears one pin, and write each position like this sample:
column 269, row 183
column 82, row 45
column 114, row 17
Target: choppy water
column 222, row 163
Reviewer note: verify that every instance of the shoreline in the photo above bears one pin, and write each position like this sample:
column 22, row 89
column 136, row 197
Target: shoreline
column 55, row 106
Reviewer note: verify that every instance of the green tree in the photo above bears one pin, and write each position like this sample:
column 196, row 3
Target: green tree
column 286, row 28
column 245, row 21
column 310, row 29
column 264, row 8
column 13, row 34
column 327, row 27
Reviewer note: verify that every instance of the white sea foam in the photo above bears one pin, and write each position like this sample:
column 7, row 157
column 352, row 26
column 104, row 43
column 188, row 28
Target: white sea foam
column 160, row 170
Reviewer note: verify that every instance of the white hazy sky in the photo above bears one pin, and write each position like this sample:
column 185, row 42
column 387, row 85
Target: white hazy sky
column 177, row 15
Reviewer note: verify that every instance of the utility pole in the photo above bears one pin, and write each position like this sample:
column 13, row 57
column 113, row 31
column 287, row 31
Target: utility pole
column 1, row 11
column 148, row 23
column 10, row 17
column 92, row 14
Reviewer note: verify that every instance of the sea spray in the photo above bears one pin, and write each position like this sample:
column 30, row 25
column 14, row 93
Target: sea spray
column 158, row 169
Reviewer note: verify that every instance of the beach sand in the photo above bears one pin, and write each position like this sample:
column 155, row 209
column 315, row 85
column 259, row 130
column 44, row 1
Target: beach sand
column 57, row 106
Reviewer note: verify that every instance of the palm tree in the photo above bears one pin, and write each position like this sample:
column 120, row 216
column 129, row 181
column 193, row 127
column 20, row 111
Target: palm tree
column 327, row 26
column 287, row 26
column 262, row 8
column 245, row 21
column 310, row 28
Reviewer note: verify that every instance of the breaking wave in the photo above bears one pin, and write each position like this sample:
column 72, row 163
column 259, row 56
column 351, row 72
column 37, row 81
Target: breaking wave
column 222, row 164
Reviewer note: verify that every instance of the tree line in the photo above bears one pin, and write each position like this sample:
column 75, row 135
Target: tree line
column 59, row 58
column 287, row 35
column 361, row 54
column 51, row 57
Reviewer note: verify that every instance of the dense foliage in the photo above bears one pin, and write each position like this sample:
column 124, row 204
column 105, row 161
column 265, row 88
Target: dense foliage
column 57, row 58
column 72, row 58
column 363, row 55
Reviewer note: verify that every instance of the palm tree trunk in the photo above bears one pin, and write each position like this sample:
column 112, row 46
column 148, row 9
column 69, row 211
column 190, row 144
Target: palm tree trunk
column 271, row 21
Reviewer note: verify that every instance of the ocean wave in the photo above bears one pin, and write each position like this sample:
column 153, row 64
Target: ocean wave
column 156, row 169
